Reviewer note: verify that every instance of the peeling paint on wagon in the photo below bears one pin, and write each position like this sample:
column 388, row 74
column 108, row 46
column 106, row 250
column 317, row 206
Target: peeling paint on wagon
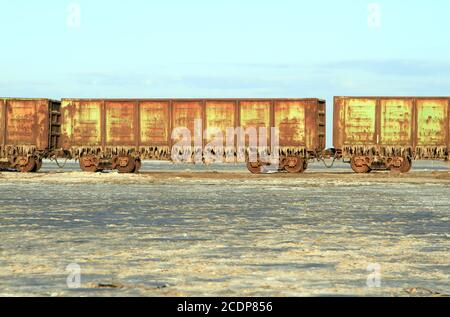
column 27, row 123
column 185, row 113
column 120, row 123
column 432, row 119
column 255, row 114
column 396, row 122
column 220, row 115
column 81, row 123
column 2, row 123
column 360, row 121
column 290, row 118
column 154, row 123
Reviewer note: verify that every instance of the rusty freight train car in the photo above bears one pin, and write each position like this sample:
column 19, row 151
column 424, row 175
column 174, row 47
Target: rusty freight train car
column 29, row 132
column 119, row 134
column 390, row 132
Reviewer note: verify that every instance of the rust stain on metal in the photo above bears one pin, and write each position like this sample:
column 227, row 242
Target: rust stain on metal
column 27, row 123
column 154, row 123
column 120, row 123
column 255, row 114
column 220, row 115
column 290, row 118
column 81, row 123
column 396, row 122
column 185, row 113
column 2, row 123
column 432, row 118
column 360, row 121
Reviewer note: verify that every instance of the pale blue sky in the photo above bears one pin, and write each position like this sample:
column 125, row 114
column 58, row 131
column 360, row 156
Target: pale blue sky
column 224, row 48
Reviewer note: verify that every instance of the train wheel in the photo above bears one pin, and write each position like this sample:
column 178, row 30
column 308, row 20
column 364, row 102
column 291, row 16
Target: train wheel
column 359, row 165
column 295, row 165
column 254, row 167
column 26, row 165
column 401, row 165
column 89, row 163
column 126, row 164
column 406, row 165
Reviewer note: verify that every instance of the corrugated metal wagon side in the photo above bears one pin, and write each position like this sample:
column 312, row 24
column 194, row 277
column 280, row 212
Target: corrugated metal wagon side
column 389, row 132
column 29, row 132
column 119, row 134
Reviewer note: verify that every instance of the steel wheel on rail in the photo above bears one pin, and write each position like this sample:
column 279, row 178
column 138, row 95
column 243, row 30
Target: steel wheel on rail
column 406, row 165
column 254, row 167
column 295, row 165
column 126, row 164
column 401, row 165
column 89, row 163
column 359, row 165
column 26, row 165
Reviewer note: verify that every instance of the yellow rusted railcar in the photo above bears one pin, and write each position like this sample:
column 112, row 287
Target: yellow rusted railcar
column 29, row 132
column 389, row 132
column 119, row 134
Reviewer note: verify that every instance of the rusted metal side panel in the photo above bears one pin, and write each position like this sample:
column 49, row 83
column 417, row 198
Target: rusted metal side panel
column 312, row 131
column 81, row 125
column 432, row 128
column 43, row 124
column 155, row 131
column 432, row 122
column 185, row 113
column 67, row 110
column 255, row 114
column 290, row 118
column 396, row 122
column 359, row 121
column 120, row 123
column 154, row 117
column 356, row 125
column 322, row 125
column 220, row 115
column 448, row 130
column 2, row 124
column 338, row 123
column 27, row 123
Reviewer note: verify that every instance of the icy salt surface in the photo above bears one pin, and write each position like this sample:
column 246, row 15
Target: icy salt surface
column 217, row 230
